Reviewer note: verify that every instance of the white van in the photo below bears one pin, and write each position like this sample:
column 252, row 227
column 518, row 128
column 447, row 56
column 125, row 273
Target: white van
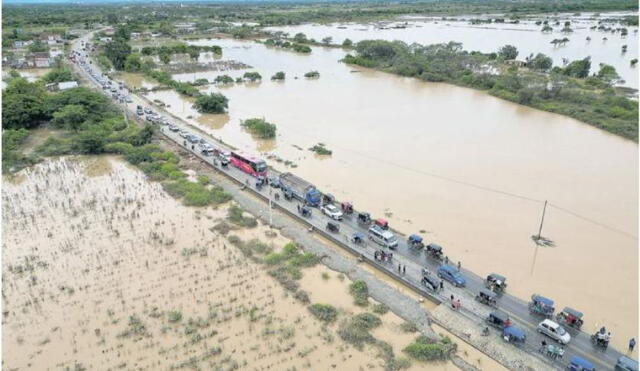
column 382, row 237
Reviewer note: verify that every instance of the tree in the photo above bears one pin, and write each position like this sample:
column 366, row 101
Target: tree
column 23, row 104
column 123, row 33
column 70, row 117
column 212, row 103
column 278, row 76
column 579, row 68
column 508, row 52
column 541, row 62
column 347, row 43
column 327, row 40
column 300, row 38
column 608, row 74
column 133, row 63
column 547, row 28
column 58, row 74
column 38, row 46
column 90, row 141
column 252, row 76
column 223, row 79
column 117, row 51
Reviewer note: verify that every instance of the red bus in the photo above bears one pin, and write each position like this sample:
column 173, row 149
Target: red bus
column 249, row 164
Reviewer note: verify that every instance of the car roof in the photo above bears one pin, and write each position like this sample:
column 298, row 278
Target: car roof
column 550, row 323
column 543, row 300
column 573, row 312
column 499, row 315
column 515, row 331
column 628, row 362
column 498, row 277
column 579, row 361
column 449, row 267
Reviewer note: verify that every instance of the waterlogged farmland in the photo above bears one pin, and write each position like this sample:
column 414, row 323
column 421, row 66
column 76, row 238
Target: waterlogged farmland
column 133, row 279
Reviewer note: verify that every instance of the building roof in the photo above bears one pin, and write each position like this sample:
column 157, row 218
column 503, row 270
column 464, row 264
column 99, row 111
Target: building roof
column 67, row 85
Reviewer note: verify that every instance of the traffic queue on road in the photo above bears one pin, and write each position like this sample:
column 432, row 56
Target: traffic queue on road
column 379, row 232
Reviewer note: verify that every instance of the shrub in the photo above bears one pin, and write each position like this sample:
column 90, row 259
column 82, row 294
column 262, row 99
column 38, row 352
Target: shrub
column 355, row 331
column 212, row 103
column 360, row 293
column 380, row 308
column 278, row 76
column 324, row 312
column 260, row 127
column 174, row 316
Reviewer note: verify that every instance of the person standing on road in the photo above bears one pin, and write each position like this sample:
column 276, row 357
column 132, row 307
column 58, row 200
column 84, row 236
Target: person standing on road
column 399, row 268
column 459, row 265
column 441, row 285
column 404, row 270
column 632, row 344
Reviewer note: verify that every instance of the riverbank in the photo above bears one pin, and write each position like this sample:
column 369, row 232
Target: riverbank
column 591, row 100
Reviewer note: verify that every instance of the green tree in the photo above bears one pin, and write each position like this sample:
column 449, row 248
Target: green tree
column 133, row 63
column 300, row 38
column 608, row 74
column 70, row 117
column 23, row 104
column 278, row 76
column 579, row 68
column 508, row 52
column 541, row 62
column 90, row 141
column 123, row 33
column 58, row 74
column 117, row 51
column 38, row 46
column 252, row 76
column 327, row 40
column 347, row 43
column 212, row 103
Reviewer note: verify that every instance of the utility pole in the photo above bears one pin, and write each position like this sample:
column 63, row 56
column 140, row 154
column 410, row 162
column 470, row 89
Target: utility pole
column 537, row 238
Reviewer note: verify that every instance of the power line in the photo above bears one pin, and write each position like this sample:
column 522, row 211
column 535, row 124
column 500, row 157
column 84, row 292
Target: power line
column 477, row 186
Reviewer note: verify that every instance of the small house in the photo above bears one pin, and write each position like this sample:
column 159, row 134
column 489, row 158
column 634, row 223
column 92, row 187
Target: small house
column 515, row 62
column 39, row 60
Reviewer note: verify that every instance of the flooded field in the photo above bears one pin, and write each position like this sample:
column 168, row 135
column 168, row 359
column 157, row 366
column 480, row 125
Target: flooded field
column 603, row 46
column 469, row 169
column 122, row 276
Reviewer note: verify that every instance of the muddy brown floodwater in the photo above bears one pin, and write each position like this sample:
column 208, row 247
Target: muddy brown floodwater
column 96, row 259
column 469, row 169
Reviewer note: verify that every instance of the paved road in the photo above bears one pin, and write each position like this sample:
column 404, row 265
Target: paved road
column 414, row 260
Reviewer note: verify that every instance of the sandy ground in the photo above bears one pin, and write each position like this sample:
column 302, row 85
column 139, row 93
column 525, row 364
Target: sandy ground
column 98, row 263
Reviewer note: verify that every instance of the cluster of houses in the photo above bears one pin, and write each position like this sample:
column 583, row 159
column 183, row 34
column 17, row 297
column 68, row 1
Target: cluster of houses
column 21, row 57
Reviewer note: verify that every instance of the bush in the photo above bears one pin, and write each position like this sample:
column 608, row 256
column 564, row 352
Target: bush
column 425, row 349
column 408, row 327
column 260, row 127
column 380, row 308
column 355, row 331
column 324, row 312
column 212, row 103
column 278, row 76
column 312, row 74
column 174, row 316
column 235, row 215
column 360, row 293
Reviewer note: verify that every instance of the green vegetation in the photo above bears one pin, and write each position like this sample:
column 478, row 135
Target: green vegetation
column 320, row 149
column 295, row 46
column 508, row 52
column 563, row 90
column 180, row 48
column 12, row 159
column 409, row 327
column 355, row 330
column 236, row 216
column 427, row 350
column 260, row 128
column 174, row 316
column 183, row 88
column 324, row 312
column 212, row 103
column 312, row 74
column 223, row 79
column 252, row 76
column 360, row 293
column 380, row 308
column 278, row 76
column 283, row 266
column 59, row 73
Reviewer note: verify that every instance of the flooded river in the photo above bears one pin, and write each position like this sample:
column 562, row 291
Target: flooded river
column 469, row 169
column 526, row 36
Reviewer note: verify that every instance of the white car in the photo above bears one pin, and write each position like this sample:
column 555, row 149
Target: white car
column 332, row 212
column 554, row 331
